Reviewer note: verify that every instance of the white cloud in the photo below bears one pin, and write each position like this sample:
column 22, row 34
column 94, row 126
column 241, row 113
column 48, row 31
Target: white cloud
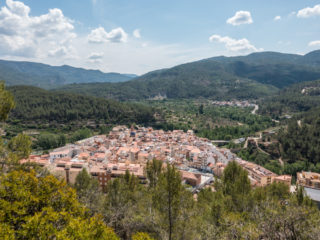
column 25, row 35
column 58, row 52
column 50, row 38
column 96, row 55
column 136, row 33
column 99, row 35
column 309, row 12
column 314, row 43
column 235, row 45
column 241, row 17
column 277, row 18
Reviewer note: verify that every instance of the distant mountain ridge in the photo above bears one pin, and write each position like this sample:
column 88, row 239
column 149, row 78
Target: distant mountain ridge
column 46, row 76
column 253, row 76
column 269, row 57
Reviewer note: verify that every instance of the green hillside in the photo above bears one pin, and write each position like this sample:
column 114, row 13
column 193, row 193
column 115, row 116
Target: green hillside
column 298, row 98
column 38, row 105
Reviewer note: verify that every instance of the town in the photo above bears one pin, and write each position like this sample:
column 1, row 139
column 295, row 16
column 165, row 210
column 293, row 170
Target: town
column 109, row 156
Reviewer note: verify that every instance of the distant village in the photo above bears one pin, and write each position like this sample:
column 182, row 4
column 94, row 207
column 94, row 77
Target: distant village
column 233, row 103
column 129, row 149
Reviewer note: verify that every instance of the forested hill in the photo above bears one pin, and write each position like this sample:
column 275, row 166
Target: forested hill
column 299, row 98
column 38, row 105
column 253, row 76
column 46, row 76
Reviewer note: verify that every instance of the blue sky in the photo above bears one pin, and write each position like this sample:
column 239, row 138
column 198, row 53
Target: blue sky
column 137, row 36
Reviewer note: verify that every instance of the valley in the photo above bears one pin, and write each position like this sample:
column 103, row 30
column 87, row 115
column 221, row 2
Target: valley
column 221, row 106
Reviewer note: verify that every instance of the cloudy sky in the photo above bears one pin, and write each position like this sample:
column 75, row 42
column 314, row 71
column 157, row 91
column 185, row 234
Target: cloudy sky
column 137, row 36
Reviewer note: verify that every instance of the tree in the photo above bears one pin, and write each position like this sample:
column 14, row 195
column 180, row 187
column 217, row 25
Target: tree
column 7, row 102
column 153, row 169
column 201, row 109
column 45, row 208
column 88, row 191
column 168, row 198
column 120, row 205
column 236, row 184
column 81, row 134
column 83, row 181
column 300, row 195
column 20, row 146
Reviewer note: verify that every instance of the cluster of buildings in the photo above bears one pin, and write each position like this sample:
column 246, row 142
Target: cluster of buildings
column 311, row 183
column 109, row 156
column 309, row 179
column 260, row 176
column 123, row 149
column 233, row 103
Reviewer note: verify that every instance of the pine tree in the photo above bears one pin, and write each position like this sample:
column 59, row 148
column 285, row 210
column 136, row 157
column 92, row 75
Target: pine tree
column 168, row 198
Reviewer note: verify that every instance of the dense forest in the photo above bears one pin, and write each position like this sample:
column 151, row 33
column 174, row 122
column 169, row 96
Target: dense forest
column 38, row 105
column 298, row 98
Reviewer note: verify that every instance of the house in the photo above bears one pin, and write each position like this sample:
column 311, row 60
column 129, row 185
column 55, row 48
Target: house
column 191, row 178
column 308, row 179
column 67, row 152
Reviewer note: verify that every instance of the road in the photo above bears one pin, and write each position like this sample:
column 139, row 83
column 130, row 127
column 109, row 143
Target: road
column 256, row 108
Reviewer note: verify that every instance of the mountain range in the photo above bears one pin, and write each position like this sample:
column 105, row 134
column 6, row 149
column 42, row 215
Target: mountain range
column 253, row 76
column 46, row 76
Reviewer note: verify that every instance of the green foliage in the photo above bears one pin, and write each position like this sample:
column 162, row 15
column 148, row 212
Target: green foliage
column 81, row 134
column 88, row 191
column 300, row 195
column 7, row 102
column 45, row 208
column 201, row 109
column 153, row 169
column 141, row 236
column 236, row 184
column 49, row 141
column 168, row 197
column 298, row 98
column 20, row 146
column 123, row 197
column 301, row 143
